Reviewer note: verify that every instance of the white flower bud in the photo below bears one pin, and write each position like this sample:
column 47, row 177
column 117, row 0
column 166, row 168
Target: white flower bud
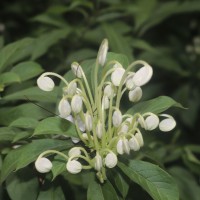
column 64, row 108
column 129, row 82
column 167, row 124
column 80, row 123
column 98, row 162
column 73, row 166
column 76, row 104
column 126, row 146
column 139, row 138
column 71, row 89
column 70, row 118
column 76, row 69
column 117, row 118
column 75, row 140
column 117, row 75
column 88, row 122
column 143, row 75
column 75, row 151
column 105, row 102
column 103, row 52
column 151, row 122
column 99, row 129
column 111, row 160
column 43, row 165
column 135, row 94
column 108, row 91
column 120, row 148
column 45, row 83
column 85, row 136
column 124, row 128
column 133, row 144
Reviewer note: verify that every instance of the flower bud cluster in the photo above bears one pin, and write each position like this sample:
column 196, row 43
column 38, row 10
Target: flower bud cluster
column 101, row 126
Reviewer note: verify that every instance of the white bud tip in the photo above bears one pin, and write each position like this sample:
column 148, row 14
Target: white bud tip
column 143, row 75
column 76, row 104
column 76, row 69
column 103, row 52
column 75, row 140
column 151, row 122
column 105, row 102
column 167, row 124
column 75, row 151
column 73, row 166
column 117, row 75
column 98, row 162
column 45, row 83
column 99, row 129
column 135, row 95
column 117, row 118
column 111, row 160
column 133, row 144
column 64, row 108
column 43, row 165
column 88, row 122
column 120, row 149
column 139, row 138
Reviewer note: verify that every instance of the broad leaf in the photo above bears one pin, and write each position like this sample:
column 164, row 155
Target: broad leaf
column 27, row 70
column 8, row 78
column 156, row 106
column 24, row 155
column 22, row 184
column 56, row 125
column 7, row 134
column 24, row 122
column 158, row 183
column 101, row 192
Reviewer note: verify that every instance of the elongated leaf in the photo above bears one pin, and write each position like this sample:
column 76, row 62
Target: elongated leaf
column 21, row 157
column 56, row 125
column 24, row 122
column 101, row 192
column 8, row 78
column 33, row 93
column 27, row 70
column 12, row 50
column 7, row 134
column 158, row 183
column 157, row 105
column 22, row 185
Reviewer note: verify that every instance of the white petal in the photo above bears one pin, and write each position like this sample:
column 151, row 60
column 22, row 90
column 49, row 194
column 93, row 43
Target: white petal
column 116, row 76
column 105, row 102
column 45, row 83
column 111, row 160
column 76, row 104
column 126, row 146
column 43, row 165
column 120, row 148
column 80, row 123
column 143, row 75
column 129, row 82
column 71, row 89
column 103, row 52
column 151, row 122
column 135, row 94
column 117, row 118
column 64, row 108
column 167, row 124
column 108, row 91
column 133, row 144
column 70, row 118
column 98, row 162
column 99, row 129
column 76, row 69
column 73, row 166
column 139, row 138
column 75, row 151
column 88, row 122
column 75, row 140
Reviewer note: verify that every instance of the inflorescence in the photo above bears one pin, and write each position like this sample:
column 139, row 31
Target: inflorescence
column 103, row 131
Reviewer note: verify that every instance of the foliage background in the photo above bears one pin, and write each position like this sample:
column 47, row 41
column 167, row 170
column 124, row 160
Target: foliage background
column 50, row 34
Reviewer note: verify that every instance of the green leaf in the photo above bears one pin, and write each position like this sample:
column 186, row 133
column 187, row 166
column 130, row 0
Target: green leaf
column 188, row 186
column 11, row 51
column 33, row 93
column 6, row 134
column 156, row 106
column 24, row 155
column 158, row 183
column 122, row 59
column 22, row 135
column 52, row 193
column 27, row 70
column 56, row 125
column 117, row 42
column 101, row 192
column 8, row 78
column 22, row 184
column 46, row 40
column 24, row 122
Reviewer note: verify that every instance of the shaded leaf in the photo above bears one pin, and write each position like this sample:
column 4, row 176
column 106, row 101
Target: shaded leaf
column 24, row 122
